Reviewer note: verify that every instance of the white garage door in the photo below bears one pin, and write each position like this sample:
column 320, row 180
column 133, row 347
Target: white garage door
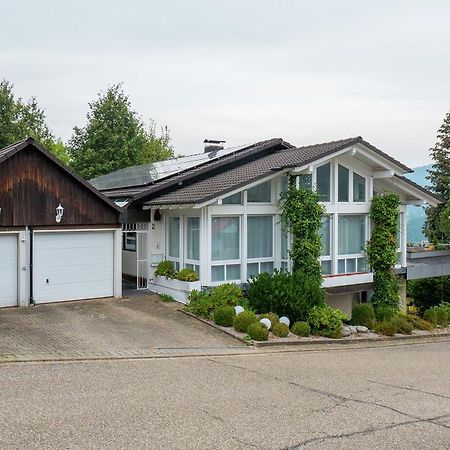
column 73, row 265
column 8, row 270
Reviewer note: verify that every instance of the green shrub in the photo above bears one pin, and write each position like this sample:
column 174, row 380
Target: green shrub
column 257, row 332
column 441, row 315
column 418, row 323
column 383, row 313
column 284, row 293
column 200, row 303
column 226, row 294
column 386, row 327
column 166, row 298
column 301, row 329
column 243, row 320
column 326, row 321
column 430, row 316
column 402, row 325
column 165, row 269
column 363, row 314
column 429, row 292
column 272, row 317
column 187, row 275
column 224, row 316
column 280, row 329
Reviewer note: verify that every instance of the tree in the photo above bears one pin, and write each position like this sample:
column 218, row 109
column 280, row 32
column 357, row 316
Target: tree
column 439, row 176
column 20, row 119
column 115, row 137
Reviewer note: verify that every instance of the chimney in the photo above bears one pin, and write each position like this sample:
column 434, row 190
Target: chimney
column 212, row 145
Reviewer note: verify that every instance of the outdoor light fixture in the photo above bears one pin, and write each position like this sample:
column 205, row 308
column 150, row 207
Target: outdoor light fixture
column 59, row 213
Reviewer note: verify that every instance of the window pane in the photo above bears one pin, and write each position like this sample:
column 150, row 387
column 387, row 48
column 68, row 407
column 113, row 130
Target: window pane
column 305, row 181
column 233, row 272
column 260, row 193
column 359, row 188
column 224, row 238
column 193, row 238
column 325, row 235
column 351, row 234
column 234, row 199
column 267, row 267
column 351, row 265
column 326, row 267
column 252, row 269
column 284, row 266
column 284, row 244
column 362, row 265
column 343, row 183
column 218, row 273
column 284, row 184
column 174, row 237
column 324, row 182
column 259, row 236
column 341, row 266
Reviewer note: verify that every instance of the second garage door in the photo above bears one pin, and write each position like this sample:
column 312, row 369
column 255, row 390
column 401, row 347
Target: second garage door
column 73, row 265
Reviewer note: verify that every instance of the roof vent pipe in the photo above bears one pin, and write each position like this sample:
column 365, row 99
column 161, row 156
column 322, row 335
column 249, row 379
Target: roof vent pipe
column 212, row 145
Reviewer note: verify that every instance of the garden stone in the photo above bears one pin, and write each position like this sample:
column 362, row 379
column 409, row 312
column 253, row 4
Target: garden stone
column 346, row 332
column 352, row 329
column 361, row 329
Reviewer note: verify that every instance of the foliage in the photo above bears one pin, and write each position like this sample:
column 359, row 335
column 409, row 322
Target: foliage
column 383, row 313
column 428, row 292
column 418, row 323
column 187, row 274
column 257, row 332
column 363, row 314
column 439, row 176
column 430, row 316
column 326, row 321
column 441, row 316
column 226, row 294
column 402, row 325
column 386, row 327
column 115, row 137
column 302, row 214
column 224, row 316
column 301, row 329
column 271, row 316
column 166, row 298
column 382, row 249
column 280, row 329
column 165, row 269
column 20, row 119
column 243, row 320
column 291, row 294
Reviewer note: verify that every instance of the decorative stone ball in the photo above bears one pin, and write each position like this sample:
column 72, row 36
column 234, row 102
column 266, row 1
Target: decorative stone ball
column 285, row 320
column 238, row 309
column 266, row 322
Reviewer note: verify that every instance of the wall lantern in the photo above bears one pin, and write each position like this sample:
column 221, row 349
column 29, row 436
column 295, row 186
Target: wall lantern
column 59, row 213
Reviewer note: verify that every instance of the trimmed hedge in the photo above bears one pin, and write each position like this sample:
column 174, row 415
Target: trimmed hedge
column 280, row 330
column 243, row 320
column 224, row 316
column 257, row 332
column 301, row 329
column 363, row 314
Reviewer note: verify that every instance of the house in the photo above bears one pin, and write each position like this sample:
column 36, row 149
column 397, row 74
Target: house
column 217, row 212
column 60, row 239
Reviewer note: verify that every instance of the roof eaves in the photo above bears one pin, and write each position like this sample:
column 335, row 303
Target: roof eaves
column 422, row 189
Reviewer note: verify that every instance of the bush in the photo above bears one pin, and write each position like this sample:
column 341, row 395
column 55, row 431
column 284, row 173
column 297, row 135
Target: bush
column 226, row 294
column 384, row 313
column 224, row 316
column 301, row 329
column 418, row 323
column 200, row 303
column 291, row 294
column 363, row 314
column 430, row 316
column 272, row 317
column 429, row 292
column 257, row 332
column 165, row 269
column 280, row 329
column 244, row 320
column 441, row 315
column 187, row 275
column 386, row 327
column 326, row 321
column 397, row 324
column 166, row 298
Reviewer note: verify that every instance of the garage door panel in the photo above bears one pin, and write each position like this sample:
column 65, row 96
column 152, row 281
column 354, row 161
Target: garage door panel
column 73, row 265
column 8, row 270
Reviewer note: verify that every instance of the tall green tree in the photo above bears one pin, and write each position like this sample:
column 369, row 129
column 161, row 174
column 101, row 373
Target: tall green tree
column 20, row 119
column 439, row 176
column 115, row 137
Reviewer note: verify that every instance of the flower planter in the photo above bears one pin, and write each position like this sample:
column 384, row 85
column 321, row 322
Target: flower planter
column 178, row 289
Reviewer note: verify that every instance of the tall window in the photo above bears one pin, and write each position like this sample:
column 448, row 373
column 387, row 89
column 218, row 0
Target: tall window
column 343, row 183
column 225, row 243
column 352, row 242
column 262, row 193
column 284, row 248
column 325, row 235
column 193, row 243
column 259, row 244
column 173, row 244
column 359, row 188
column 324, row 182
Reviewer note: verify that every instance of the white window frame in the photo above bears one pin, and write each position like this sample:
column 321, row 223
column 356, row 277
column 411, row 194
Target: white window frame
column 259, row 260
column 177, row 261
column 193, row 264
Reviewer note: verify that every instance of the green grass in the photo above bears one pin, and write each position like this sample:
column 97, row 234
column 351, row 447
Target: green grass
column 166, row 298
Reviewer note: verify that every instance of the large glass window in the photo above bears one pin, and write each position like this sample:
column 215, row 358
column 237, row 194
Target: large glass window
column 262, row 193
column 193, row 238
column 225, row 238
column 305, row 181
column 352, row 234
column 325, row 234
column 324, row 182
column 343, row 183
column 259, row 236
column 174, row 237
column 359, row 188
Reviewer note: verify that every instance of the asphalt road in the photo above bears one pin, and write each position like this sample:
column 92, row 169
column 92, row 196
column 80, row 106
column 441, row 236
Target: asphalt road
column 373, row 398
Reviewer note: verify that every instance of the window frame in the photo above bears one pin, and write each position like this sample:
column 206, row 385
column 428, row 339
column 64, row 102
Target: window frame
column 261, row 259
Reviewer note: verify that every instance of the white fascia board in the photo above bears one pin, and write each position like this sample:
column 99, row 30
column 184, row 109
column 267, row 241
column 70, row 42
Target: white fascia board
column 383, row 173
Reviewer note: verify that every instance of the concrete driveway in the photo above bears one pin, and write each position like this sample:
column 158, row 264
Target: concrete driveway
column 139, row 326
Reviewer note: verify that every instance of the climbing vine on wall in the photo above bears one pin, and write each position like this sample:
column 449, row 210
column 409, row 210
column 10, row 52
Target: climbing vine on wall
column 302, row 215
column 382, row 249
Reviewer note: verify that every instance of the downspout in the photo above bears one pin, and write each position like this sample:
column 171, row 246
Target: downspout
column 32, row 302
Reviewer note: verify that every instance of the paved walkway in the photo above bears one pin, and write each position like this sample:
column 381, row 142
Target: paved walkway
column 140, row 326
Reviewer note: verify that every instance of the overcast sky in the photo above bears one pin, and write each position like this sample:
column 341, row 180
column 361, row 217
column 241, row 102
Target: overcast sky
column 241, row 70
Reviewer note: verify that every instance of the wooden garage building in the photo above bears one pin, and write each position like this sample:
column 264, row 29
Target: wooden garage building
column 60, row 238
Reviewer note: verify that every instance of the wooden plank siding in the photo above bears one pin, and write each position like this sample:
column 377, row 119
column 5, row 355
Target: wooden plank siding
column 32, row 186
